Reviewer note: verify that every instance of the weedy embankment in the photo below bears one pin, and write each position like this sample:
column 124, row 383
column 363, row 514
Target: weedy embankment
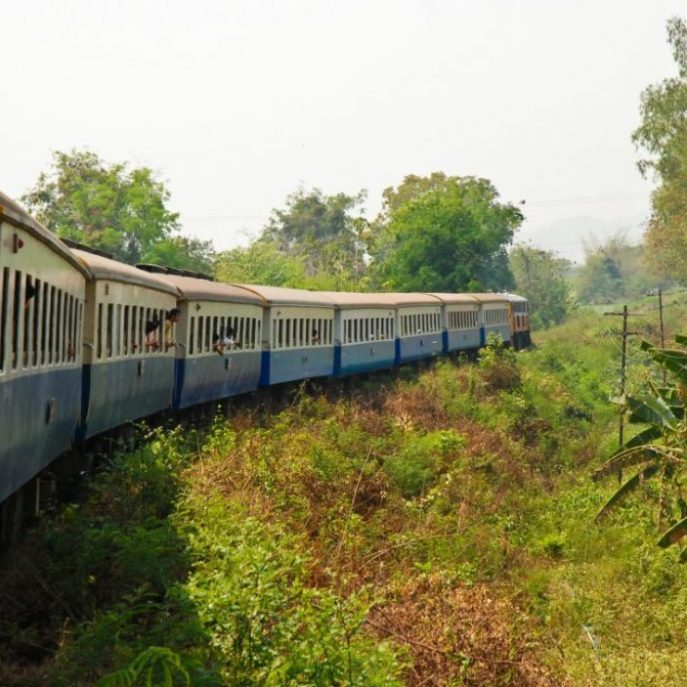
column 430, row 528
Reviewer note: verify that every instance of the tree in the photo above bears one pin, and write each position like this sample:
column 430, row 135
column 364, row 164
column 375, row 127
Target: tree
column 540, row 277
column 262, row 262
column 111, row 207
column 442, row 233
column 663, row 136
column 325, row 232
column 182, row 252
column 612, row 271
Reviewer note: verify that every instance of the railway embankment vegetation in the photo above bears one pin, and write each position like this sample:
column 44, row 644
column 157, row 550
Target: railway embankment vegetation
column 431, row 527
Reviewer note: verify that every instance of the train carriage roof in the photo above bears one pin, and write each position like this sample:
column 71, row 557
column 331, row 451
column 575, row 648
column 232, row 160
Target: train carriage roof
column 106, row 268
column 15, row 214
column 279, row 295
column 456, row 298
column 514, row 298
column 489, row 297
column 360, row 300
column 408, row 299
column 192, row 288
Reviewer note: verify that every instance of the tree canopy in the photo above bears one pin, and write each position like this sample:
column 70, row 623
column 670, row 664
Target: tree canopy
column 324, row 233
column 662, row 135
column 442, row 233
column 113, row 208
column 540, row 277
column 613, row 270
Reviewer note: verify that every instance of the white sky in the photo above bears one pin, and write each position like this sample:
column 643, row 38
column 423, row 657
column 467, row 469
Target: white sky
column 237, row 103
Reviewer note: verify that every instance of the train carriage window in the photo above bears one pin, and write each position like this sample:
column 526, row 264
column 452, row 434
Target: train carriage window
column 118, row 331
column 58, row 316
column 45, row 295
column 4, row 300
column 69, row 321
column 59, row 327
column 125, row 331
column 74, row 333
column 207, row 336
column 133, row 334
column 216, row 329
column 64, row 326
column 17, row 313
column 29, row 295
column 37, row 307
column 109, row 340
column 141, row 332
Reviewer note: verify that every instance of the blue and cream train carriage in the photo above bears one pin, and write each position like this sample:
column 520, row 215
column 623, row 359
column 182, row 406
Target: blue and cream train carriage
column 128, row 372
column 218, row 341
column 88, row 344
column 42, row 290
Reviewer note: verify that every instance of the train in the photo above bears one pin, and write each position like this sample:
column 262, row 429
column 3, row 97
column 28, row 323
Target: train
column 89, row 344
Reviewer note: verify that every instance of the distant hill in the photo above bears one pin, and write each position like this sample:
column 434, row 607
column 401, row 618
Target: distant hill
column 566, row 237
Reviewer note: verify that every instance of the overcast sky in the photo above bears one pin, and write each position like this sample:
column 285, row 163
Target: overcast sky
column 238, row 103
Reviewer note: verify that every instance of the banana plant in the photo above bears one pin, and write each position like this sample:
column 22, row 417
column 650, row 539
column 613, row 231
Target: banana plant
column 660, row 449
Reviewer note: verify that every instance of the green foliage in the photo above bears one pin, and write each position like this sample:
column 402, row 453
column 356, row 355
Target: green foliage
column 663, row 136
column 660, row 451
column 613, row 271
column 499, row 364
column 182, row 252
column 443, row 233
column 324, row 233
column 262, row 262
column 154, row 667
column 266, row 625
column 119, row 210
column 540, row 277
column 420, row 460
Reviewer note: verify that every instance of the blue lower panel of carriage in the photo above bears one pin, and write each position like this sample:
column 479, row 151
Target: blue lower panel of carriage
column 120, row 391
column 210, row 378
column 355, row 358
column 503, row 330
column 419, row 347
column 463, row 339
column 288, row 365
column 39, row 414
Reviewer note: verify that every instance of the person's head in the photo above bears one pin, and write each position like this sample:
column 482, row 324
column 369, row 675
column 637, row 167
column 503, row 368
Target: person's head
column 174, row 314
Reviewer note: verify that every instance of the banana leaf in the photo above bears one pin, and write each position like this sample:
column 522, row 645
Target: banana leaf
column 674, row 534
column 628, row 457
column 646, row 436
column 652, row 410
column 625, row 489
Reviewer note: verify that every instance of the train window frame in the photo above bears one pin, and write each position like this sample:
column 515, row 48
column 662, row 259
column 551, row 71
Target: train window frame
column 4, row 322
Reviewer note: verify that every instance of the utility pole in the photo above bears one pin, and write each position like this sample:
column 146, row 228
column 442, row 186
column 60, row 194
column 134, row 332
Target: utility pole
column 660, row 315
column 623, row 365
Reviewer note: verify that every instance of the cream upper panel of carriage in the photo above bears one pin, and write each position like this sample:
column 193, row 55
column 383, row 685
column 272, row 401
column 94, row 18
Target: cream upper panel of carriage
column 359, row 325
column 211, row 327
column 417, row 320
column 495, row 313
column 465, row 316
column 42, row 293
column 300, row 326
column 126, row 320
